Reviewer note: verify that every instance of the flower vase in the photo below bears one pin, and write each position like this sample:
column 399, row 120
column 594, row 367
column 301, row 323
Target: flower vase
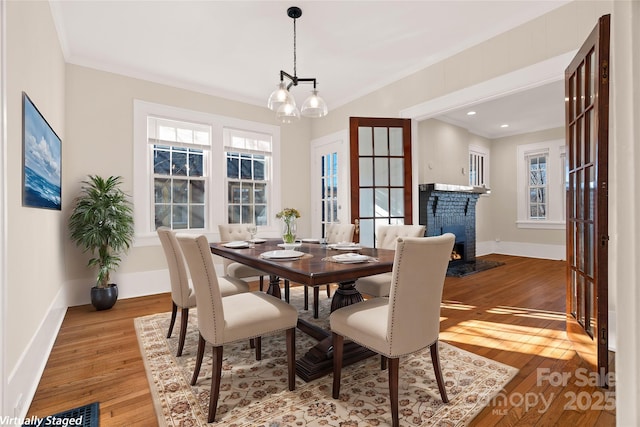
column 289, row 228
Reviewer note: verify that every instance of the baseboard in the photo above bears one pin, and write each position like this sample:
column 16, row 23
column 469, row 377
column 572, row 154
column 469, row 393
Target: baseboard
column 23, row 380
column 529, row 250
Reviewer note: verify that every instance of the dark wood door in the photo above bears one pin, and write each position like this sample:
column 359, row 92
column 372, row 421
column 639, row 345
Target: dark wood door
column 587, row 127
column 380, row 162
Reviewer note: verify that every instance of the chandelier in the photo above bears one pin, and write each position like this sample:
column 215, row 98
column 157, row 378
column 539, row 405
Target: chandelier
column 282, row 101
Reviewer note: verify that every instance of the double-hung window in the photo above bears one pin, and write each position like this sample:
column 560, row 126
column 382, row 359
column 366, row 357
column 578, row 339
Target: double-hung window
column 180, row 152
column 195, row 170
column 248, row 164
column 478, row 166
column 541, row 185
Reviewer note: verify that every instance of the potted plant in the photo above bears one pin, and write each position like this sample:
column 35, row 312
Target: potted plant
column 102, row 223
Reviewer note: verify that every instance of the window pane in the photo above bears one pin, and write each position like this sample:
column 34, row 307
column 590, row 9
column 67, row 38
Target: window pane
column 395, row 142
column 397, row 202
column 247, row 214
column 365, row 141
column 366, row 172
column 197, row 191
column 161, row 163
column 162, row 190
column 234, row 192
column 180, row 194
column 197, row 217
column 382, row 202
column 234, row 214
column 179, row 162
column 162, row 216
column 180, row 217
column 380, row 142
column 247, row 193
column 381, row 171
column 366, row 202
column 259, row 168
column 233, row 168
column 260, row 193
column 261, row 214
column 245, row 168
column 396, row 172
column 195, row 162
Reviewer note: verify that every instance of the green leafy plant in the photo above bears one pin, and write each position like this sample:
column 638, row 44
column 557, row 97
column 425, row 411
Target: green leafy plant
column 102, row 224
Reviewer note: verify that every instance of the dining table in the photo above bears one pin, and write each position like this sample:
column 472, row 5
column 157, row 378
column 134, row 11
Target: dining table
column 313, row 265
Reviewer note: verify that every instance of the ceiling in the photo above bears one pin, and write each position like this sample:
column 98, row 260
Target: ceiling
column 235, row 49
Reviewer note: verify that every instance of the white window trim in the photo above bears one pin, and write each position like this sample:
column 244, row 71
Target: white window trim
column 485, row 153
column 555, row 174
column 216, row 212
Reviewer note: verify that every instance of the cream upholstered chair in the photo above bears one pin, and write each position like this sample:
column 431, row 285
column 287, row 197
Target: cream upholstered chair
column 407, row 321
column 182, row 294
column 379, row 284
column 335, row 233
column 229, row 233
column 233, row 318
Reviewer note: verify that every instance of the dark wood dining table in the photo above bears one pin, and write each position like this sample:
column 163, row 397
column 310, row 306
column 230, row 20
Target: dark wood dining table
column 313, row 269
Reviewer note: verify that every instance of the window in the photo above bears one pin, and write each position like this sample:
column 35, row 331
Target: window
column 180, row 151
column 248, row 157
column 541, row 185
column 478, row 166
column 537, row 186
column 194, row 170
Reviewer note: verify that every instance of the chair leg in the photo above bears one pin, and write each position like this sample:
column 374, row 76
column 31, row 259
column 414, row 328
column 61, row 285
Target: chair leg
column 291, row 358
column 261, row 283
column 316, row 301
column 338, row 344
column 394, row 364
column 435, row 359
column 383, row 362
column 174, row 311
column 216, row 373
column 258, row 343
column 328, row 291
column 199, row 357
column 184, row 320
column 306, row 297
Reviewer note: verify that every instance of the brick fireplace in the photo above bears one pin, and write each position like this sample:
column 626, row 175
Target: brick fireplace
column 446, row 208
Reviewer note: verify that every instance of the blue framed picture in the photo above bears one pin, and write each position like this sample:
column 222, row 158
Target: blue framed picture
column 41, row 160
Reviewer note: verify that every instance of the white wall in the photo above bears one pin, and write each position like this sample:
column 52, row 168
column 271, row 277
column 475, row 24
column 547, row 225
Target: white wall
column 35, row 273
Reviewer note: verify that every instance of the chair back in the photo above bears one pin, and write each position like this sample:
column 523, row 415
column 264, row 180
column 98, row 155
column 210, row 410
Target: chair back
column 419, row 271
column 338, row 233
column 388, row 234
column 197, row 252
column 231, row 232
column 177, row 269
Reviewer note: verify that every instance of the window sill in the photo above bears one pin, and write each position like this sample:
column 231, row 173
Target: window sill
column 542, row 225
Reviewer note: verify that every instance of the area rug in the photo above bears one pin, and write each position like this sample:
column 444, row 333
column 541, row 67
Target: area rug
column 254, row 393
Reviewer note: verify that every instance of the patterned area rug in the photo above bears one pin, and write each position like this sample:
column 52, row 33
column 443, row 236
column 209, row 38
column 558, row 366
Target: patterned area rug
column 255, row 393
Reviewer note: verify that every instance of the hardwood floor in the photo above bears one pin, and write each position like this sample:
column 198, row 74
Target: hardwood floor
column 513, row 314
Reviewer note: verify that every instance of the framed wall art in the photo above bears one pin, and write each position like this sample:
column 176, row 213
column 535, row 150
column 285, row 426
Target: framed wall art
column 41, row 160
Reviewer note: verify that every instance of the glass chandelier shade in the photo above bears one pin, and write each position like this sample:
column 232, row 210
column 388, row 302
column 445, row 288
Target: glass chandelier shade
column 280, row 96
column 314, row 106
column 288, row 112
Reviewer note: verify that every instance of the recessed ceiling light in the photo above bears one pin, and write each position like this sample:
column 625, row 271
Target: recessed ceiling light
column 471, row 113
column 504, row 126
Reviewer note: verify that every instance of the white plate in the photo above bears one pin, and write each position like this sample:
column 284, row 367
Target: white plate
column 257, row 240
column 236, row 244
column 289, row 245
column 346, row 247
column 282, row 255
column 350, row 258
column 311, row 240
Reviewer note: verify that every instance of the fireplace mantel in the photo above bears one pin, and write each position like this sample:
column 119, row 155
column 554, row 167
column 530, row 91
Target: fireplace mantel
column 454, row 188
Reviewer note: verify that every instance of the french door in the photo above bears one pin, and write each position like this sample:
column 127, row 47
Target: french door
column 587, row 136
column 330, row 182
column 380, row 174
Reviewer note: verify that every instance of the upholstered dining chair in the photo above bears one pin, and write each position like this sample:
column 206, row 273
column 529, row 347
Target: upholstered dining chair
column 229, row 233
column 335, row 233
column 379, row 285
column 233, row 318
column 182, row 295
column 407, row 321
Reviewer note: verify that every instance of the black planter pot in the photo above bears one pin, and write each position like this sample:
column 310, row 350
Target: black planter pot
column 104, row 298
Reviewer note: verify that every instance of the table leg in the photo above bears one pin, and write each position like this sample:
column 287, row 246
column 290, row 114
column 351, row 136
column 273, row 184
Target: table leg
column 318, row 361
column 274, row 286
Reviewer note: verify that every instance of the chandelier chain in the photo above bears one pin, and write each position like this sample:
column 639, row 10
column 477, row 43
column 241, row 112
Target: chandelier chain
column 295, row 74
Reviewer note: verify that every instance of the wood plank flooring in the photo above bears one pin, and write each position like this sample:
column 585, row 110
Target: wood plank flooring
column 513, row 314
